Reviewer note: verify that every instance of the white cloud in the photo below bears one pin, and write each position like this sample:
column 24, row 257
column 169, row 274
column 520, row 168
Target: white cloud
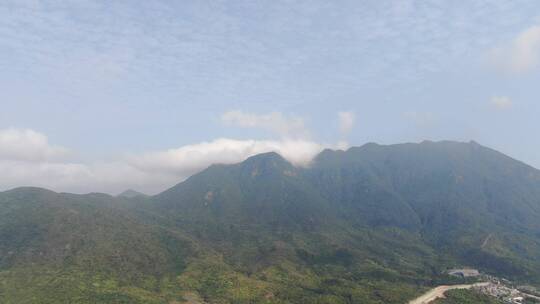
column 26, row 159
column 285, row 126
column 189, row 159
column 520, row 55
column 501, row 102
column 111, row 177
column 346, row 122
column 27, row 145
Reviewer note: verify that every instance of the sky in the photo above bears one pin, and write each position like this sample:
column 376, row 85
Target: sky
column 102, row 96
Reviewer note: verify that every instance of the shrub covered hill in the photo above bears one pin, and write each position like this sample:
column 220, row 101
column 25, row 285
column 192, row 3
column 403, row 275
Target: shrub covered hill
column 373, row 224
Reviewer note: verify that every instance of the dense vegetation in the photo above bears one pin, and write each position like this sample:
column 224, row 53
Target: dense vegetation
column 467, row 297
column 374, row 224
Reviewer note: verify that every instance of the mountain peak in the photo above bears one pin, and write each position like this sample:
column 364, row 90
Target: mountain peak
column 265, row 163
column 130, row 193
column 31, row 190
column 272, row 155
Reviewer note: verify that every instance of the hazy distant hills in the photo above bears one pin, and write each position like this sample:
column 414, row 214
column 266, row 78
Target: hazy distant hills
column 130, row 193
column 372, row 224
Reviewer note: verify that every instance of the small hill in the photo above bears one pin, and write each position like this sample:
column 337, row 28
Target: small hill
column 67, row 248
column 129, row 193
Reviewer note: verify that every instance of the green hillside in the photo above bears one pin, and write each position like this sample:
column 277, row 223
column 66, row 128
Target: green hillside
column 467, row 297
column 373, row 224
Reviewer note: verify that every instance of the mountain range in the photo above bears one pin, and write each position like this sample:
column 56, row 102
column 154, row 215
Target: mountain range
column 372, row 224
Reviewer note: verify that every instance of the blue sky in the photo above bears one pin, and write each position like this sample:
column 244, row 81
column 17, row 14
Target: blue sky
column 108, row 95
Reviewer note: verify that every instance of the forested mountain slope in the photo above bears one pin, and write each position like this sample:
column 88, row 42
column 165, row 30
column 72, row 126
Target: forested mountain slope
column 373, row 224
